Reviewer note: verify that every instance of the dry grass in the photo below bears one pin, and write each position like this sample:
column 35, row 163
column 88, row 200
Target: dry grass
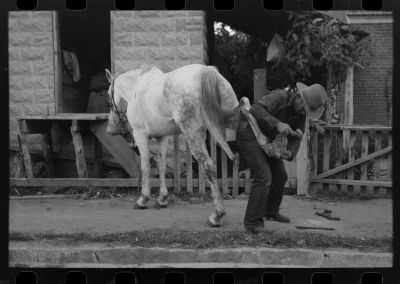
column 213, row 238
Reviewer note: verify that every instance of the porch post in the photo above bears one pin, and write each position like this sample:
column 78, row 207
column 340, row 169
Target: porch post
column 302, row 163
column 348, row 104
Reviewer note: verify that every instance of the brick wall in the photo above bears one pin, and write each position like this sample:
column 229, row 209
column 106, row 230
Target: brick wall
column 167, row 39
column 31, row 67
column 373, row 85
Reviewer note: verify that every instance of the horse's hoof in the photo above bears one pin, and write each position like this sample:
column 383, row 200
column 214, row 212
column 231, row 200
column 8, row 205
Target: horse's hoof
column 137, row 206
column 211, row 225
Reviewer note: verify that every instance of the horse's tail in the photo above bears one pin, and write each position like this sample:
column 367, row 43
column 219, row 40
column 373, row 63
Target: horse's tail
column 213, row 114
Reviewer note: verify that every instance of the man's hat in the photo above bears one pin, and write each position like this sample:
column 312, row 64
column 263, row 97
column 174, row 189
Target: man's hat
column 314, row 98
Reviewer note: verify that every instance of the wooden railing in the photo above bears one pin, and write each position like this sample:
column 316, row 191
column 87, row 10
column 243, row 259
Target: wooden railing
column 351, row 159
column 229, row 184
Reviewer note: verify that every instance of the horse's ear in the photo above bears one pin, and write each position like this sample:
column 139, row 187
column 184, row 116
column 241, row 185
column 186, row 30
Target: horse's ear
column 109, row 76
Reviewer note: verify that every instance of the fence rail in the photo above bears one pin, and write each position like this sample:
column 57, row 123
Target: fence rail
column 228, row 184
column 351, row 159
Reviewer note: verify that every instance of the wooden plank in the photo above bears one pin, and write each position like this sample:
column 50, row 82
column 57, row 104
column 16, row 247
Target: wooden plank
column 67, row 116
column 348, row 96
column 356, row 182
column 356, row 162
column 189, row 171
column 98, row 157
column 25, row 152
column 339, row 157
column 247, row 178
column 202, row 181
column 260, row 83
column 48, row 154
column 303, row 163
column 358, row 127
column 326, row 153
column 224, row 169
column 377, row 163
column 390, row 159
column 177, row 164
column 103, row 182
column 213, row 145
column 117, row 147
column 358, row 135
column 235, row 176
column 314, row 168
column 57, row 64
column 350, row 172
column 79, row 151
column 364, row 167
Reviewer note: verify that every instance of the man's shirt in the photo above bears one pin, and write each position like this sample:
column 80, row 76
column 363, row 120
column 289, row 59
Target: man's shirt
column 275, row 107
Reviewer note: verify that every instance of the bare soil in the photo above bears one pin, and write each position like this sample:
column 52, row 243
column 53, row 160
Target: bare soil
column 363, row 225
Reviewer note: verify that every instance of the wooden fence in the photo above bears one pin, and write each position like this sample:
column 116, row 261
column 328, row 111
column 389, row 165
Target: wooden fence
column 189, row 181
column 351, row 159
column 229, row 184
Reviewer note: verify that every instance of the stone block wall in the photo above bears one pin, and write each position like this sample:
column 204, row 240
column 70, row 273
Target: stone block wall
column 167, row 39
column 31, row 67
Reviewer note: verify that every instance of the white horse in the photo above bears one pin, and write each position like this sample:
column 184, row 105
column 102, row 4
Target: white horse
column 187, row 100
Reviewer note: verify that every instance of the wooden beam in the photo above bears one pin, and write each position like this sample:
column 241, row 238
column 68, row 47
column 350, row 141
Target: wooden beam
column 260, row 83
column 189, row 170
column 235, row 176
column 25, row 152
column 224, row 169
column 348, row 96
column 356, row 162
column 355, row 182
column 358, row 127
column 67, row 116
column 103, row 182
column 98, row 157
column 177, row 164
column 79, row 151
column 57, row 64
column 303, row 163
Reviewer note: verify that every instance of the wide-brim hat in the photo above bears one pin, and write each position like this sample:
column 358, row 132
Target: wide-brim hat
column 314, row 98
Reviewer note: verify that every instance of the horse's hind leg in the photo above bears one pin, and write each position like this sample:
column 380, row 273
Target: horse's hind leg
column 196, row 141
column 162, row 162
column 142, row 141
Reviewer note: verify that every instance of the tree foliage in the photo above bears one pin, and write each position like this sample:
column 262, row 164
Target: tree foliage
column 315, row 41
column 237, row 55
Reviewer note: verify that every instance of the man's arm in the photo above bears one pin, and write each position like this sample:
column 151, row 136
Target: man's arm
column 266, row 107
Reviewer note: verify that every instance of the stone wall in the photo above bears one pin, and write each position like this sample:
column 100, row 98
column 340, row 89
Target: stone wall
column 31, row 67
column 167, row 39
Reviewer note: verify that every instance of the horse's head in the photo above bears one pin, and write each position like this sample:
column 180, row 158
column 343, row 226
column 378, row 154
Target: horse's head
column 116, row 124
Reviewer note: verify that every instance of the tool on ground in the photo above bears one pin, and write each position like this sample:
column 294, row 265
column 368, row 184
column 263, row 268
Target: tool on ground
column 327, row 214
column 314, row 227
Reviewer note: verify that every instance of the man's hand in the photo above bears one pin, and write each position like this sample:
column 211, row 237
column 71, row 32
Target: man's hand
column 285, row 128
column 286, row 154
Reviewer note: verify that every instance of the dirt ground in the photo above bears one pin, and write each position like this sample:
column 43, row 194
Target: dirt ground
column 360, row 219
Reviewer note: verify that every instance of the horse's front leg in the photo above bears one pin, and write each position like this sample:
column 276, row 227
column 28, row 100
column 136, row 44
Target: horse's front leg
column 162, row 163
column 142, row 141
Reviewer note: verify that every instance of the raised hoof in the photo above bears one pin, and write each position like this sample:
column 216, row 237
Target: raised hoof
column 211, row 225
column 137, row 206
column 159, row 206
